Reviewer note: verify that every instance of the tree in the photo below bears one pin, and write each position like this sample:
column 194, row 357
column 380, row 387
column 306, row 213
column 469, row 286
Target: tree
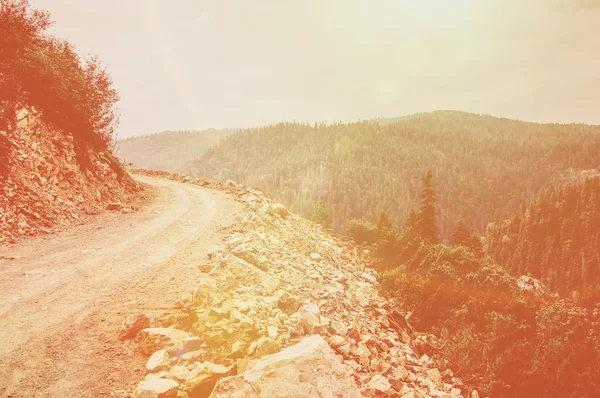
column 460, row 234
column 38, row 70
column 362, row 231
column 427, row 218
column 321, row 214
column 410, row 239
column 384, row 226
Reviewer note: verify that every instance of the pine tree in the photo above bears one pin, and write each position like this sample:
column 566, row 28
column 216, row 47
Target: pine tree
column 460, row 234
column 427, row 218
column 384, row 226
column 321, row 214
column 410, row 239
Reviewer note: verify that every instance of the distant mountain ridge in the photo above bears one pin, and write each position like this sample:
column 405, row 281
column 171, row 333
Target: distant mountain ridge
column 483, row 166
column 168, row 150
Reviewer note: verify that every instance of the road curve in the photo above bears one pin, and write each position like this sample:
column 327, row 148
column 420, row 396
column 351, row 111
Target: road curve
column 64, row 296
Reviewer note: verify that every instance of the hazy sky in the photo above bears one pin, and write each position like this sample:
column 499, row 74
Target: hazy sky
column 199, row 64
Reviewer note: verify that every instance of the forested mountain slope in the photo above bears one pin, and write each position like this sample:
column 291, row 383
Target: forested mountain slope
column 168, row 150
column 482, row 165
column 556, row 238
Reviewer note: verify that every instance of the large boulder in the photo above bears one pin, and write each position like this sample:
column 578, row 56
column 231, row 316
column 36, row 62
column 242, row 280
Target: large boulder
column 307, row 369
column 202, row 378
column 132, row 326
column 157, row 388
column 160, row 360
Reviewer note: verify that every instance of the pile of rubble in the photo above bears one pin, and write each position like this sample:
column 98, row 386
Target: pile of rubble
column 42, row 183
column 283, row 309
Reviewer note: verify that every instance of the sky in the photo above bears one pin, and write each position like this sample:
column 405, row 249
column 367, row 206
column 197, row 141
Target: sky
column 201, row 64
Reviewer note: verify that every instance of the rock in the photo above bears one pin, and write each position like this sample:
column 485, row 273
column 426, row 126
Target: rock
column 206, row 291
column 474, row 394
column 132, row 326
column 157, row 388
column 160, row 360
column 379, row 383
column 178, row 373
column 399, row 374
column 192, row 343
column 272, row 331
column 280, row 210
column 288, row 303
column 369, row 277
column 238, row 350
column 363, row 352
column 156, row 375
column 266, row 346
column 309, row 318
column 315, row 256
column 151, row 340
column 192, row 356
column 203, row 377
column 115, row 206
column 435, row 376
column 307, row 369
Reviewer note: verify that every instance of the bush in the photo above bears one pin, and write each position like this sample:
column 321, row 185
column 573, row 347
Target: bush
column 41, row 71
column 362, row 232
column 506, row 341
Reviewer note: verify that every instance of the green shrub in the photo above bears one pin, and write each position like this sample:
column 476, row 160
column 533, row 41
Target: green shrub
column 362, row 232
column 41, row 71
column 506, row 341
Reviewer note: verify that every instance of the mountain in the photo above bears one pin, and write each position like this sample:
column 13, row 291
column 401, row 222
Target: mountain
column 169, row 150
column 482, row 165
column 555, row 237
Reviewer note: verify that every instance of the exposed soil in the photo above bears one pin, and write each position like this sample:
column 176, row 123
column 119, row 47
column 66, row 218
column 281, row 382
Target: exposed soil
column 64, row 296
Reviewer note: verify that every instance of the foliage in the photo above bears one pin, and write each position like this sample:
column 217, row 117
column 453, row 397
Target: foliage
column 427, row 218
column 362, row 231
column 555, row 238
column 461, row 234
column 483, row 166
column 41, row 71
column 509, row 342
column 321, row 214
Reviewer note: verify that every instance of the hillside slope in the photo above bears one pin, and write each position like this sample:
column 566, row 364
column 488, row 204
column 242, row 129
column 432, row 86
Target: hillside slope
column 169, row 150
column 43, row 183
column 555, row 238
column 277, row 285
column 57, row 120
column 482, row 165
column 281, row 308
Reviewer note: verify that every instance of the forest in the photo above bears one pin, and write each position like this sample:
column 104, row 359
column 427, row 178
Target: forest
column 484, row 166
column 507, row 336
column 554, row 237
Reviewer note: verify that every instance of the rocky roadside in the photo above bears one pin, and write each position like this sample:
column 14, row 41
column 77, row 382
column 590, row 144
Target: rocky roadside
column 283, row 309
column 43, row 184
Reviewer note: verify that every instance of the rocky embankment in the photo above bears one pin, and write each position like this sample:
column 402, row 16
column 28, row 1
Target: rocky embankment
column 282, row 309
column 45, row 183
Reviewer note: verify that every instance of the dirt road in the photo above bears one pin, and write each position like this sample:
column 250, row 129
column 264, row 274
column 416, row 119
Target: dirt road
column 64, row 296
